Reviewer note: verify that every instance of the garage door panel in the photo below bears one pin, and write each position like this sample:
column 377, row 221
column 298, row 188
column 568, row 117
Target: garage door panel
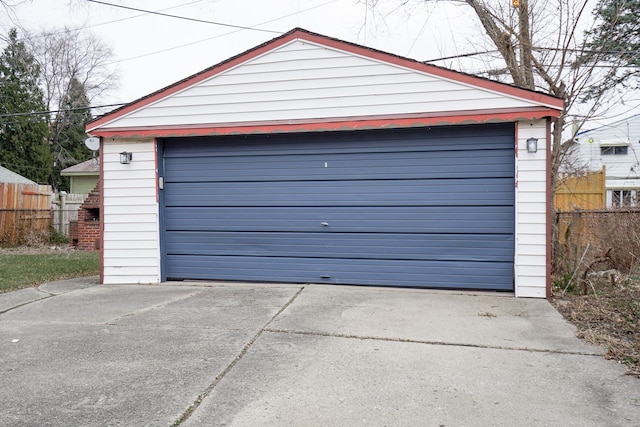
column 344, row 245
column 412, row 219
column 425, row 207
column 488, row 191
column 485, row 137
column 470, row 164
column 434, row 274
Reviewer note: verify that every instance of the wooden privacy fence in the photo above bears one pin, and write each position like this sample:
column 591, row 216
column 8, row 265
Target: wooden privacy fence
column 581, row 191
column 25, row 213
column 65, row 210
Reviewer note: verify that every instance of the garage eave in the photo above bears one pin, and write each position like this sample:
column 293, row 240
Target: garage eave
column 326, row 125
column 512, row 93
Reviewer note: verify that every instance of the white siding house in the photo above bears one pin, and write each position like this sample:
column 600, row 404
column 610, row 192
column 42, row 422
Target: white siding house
column 616, row 147
column 296, row 161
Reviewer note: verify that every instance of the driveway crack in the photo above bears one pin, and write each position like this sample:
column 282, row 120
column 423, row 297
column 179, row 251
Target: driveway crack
column 179, row 298
column 428, row 342
column 47, row 295
column 194, row 406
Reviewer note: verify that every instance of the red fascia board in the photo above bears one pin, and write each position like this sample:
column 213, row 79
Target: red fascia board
column 335, row 125
column 333, row 43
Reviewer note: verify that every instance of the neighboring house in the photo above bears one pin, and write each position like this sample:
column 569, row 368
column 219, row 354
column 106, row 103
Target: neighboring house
column 616, row 147
column 312, row 160
column 83, row 177
column 10, row 177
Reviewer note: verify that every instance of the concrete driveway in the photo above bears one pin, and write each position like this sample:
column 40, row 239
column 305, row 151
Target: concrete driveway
column 204, row 354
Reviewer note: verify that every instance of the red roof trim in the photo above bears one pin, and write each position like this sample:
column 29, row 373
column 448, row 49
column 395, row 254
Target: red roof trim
column 301, row 34
column 449, row 118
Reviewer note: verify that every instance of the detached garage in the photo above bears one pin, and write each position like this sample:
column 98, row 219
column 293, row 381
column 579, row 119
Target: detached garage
column 312, row 160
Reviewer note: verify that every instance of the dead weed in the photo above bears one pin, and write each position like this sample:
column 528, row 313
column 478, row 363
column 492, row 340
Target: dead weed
column 608, row 315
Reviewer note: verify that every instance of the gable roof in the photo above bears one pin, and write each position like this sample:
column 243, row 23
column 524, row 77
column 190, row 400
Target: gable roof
column 634, row 119
column 89, row 167
column 10, row 177
column 204, row 103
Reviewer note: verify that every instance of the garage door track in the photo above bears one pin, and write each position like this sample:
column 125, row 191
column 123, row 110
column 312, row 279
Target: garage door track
column 203, row 354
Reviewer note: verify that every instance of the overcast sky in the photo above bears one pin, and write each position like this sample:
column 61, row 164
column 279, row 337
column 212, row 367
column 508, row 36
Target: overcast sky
column 154, row 51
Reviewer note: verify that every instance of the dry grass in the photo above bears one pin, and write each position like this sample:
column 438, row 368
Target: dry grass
column 609, row 315
column 605, row 311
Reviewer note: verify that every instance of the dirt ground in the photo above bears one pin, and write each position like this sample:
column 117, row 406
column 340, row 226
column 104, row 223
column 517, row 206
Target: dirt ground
column 36, row 249
column 608, row 314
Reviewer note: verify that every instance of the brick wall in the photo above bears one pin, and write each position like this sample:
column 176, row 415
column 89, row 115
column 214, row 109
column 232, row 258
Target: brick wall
column 89, row 222
column 73, row 232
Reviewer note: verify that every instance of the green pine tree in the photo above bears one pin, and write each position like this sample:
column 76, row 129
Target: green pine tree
column 68, row 132
column 616, row 40
column 24, row 146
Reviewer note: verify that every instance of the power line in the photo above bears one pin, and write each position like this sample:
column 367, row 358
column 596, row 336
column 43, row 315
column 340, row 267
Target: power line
column 462, row 55
column 71, row 30
column 183, row 17
column 44, row 113
column 586, row 51
column 218, row 36
column 465, row 55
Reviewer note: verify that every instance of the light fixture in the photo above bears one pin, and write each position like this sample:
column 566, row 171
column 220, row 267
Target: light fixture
column 532, row 145
column 125, row 158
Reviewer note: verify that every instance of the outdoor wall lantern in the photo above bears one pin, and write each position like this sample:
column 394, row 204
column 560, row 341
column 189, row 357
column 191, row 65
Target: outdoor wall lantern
column 125, row 158
column 532, row 145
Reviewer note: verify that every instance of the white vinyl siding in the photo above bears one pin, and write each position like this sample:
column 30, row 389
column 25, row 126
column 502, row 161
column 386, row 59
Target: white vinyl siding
column 622, row 170
column 304, row 81
column 531, row 212
column 130, row 214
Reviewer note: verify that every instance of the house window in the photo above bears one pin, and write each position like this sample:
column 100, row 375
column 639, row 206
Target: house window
column 614, row 150
column 620, row 198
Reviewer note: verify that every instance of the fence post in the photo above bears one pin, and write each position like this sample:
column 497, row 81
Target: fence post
column 63, row 210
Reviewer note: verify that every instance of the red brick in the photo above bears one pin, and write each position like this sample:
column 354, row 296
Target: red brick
column 89, row 221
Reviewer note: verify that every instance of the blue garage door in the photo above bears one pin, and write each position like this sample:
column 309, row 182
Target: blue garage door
column 425, row 207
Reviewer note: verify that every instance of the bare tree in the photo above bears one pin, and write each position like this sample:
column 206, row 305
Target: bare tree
column 68, row 55
column 539, row 43
column 8, row 8
column 75, row 72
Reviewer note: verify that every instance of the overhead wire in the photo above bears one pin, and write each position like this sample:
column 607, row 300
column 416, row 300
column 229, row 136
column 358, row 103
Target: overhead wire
column 464, row 55
column 144, row 55
column 39, row 115
column 70, row 30
column 203, row 21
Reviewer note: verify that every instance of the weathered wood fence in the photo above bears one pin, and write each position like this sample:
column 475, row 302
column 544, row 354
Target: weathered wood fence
column 65, row 210
column 581, row 191
column 25, row 213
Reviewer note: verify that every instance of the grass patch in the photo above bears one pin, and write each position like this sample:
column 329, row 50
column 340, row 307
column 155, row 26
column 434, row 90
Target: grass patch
column 19, row 271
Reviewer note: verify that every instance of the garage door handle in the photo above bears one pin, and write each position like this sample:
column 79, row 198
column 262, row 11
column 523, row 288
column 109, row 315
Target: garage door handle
column 324, row 223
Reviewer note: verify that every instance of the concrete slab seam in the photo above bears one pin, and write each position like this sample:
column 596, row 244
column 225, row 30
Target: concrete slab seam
column 194, row 406
column 441, row 343
column 48, row 295
column 153, row 307
column 37, row 288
